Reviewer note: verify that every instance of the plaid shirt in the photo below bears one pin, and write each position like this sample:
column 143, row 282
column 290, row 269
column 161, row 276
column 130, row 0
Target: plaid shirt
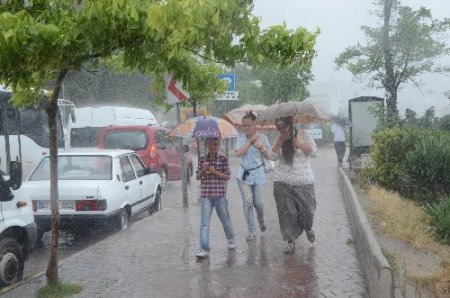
column 212, row 186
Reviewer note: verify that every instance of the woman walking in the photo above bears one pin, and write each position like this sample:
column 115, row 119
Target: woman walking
column 294, row 182
column 251, row 177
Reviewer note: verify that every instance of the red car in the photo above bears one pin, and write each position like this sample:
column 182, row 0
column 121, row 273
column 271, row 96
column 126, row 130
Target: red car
column 153, row 145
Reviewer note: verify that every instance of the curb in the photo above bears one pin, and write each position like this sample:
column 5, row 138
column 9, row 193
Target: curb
column 378, row 272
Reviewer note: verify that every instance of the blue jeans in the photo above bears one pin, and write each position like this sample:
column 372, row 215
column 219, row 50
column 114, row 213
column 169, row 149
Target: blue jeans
column 207, row 206
column 252, row 196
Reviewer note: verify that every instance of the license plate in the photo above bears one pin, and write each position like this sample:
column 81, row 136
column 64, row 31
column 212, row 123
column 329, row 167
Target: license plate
column 45, row 205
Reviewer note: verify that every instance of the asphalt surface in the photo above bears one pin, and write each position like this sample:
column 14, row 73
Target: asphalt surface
column 155, row 257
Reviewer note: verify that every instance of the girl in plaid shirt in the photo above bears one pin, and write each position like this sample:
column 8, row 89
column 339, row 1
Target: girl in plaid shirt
column 213, row 173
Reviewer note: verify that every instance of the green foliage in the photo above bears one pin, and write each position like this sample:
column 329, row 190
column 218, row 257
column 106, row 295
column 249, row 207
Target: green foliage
column 413, row 162
column 388, row 151
column 267, row 84
column 440, row 218
column 59, row 289
column 427, row 168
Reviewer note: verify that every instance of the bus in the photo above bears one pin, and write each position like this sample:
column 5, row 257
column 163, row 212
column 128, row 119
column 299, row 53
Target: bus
column 24, row 131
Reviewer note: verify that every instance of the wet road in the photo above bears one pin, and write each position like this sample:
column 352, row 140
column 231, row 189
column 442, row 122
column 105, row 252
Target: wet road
column 70, row 243
column 155, row 257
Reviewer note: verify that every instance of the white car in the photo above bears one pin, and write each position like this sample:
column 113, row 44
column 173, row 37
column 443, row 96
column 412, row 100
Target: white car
column 97, row 189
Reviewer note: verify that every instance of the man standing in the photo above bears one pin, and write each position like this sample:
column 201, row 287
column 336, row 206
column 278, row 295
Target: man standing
column 338, row 131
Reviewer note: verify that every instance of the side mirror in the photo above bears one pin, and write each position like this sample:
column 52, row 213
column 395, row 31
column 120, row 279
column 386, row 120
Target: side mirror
column 72, row 115
column 15, row 180
column 150, row 170
column 186, row 148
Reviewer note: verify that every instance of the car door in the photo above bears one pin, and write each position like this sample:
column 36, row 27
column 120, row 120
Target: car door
column 147, row 183
column 130, row 182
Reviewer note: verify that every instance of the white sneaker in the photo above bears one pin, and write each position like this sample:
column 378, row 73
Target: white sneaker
column 251, row 237
column 231, row 244
column 202, row 254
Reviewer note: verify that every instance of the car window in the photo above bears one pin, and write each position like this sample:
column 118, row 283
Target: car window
column 76, row 167
column 138, row 166
column 127, row 169
column 126, row 139
column 85, row 136
column 160, row 137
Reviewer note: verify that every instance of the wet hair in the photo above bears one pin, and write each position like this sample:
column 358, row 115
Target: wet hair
column 249, row 115
column 288, row 147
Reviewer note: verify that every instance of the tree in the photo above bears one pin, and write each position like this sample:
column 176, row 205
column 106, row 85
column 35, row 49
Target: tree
column 42, row 40
column 284, row 84
column 408, row 44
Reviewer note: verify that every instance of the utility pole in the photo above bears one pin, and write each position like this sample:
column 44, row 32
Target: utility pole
column 183, row 163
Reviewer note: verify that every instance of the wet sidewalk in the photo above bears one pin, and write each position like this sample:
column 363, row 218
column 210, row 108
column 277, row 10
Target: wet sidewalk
column 155, row 257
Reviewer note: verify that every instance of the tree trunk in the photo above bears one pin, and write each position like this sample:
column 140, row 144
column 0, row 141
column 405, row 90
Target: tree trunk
column 389, row 79
column 52, row 110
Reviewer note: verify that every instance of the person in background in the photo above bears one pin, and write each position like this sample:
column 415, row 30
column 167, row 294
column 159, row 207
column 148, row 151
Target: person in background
column 252, row 148
column 213, row 173
column 338, row 131
column 294, row 182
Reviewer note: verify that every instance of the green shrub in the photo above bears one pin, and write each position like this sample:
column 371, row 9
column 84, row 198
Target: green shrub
column 413, row 162
column 388, row 154
column 440, row 218
column 427, row 169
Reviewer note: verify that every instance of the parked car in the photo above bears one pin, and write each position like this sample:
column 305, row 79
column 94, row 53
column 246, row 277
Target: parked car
column 97, row 189
column 17, row 228
column 153, row 145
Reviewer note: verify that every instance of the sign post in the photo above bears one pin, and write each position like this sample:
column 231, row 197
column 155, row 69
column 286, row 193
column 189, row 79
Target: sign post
column 230, row 94
column 176, row 95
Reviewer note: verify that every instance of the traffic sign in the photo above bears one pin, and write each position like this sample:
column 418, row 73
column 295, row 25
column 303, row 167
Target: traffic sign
column 231, row 79
column 229, row 95
column 175, row 91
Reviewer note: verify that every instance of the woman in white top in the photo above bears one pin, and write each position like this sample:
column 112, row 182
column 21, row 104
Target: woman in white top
column 294, row 182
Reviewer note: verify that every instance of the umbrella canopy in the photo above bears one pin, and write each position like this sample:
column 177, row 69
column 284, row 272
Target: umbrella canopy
column 339, row 119
column 205, row 127
column 302, row 111
column 240, row 112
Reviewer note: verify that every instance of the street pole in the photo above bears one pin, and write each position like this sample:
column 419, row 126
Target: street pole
column 183, row 163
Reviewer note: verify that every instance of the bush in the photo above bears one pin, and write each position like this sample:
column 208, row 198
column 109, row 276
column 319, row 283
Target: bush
column 427, row 169
column 440, row 218
column 388, row 154
column 413, row 162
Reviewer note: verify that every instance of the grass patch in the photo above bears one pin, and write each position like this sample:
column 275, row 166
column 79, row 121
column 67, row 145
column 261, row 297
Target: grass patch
column 401, row 218
column 404, row 220
column 59, row 289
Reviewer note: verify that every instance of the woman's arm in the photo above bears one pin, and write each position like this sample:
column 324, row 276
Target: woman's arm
column 244, row 148
column 305, row 143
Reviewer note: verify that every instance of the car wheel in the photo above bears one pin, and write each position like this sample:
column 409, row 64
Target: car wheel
column 40, row 234
column 163, row 175
column 12, row 262
column 156, row 206
column 123, row 220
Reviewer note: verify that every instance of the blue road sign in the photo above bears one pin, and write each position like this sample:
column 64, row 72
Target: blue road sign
column 231, row 79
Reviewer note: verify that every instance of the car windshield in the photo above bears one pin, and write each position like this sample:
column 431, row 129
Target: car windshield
column 76, row 167
column 133, row 140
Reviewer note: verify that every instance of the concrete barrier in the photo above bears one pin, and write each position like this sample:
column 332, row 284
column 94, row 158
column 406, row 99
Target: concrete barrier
column 378, row 272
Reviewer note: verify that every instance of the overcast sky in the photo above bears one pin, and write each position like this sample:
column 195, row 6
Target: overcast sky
column 340, row 22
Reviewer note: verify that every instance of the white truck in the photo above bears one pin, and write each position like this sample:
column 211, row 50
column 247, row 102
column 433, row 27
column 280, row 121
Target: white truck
column 85, row 127
column 18, row 230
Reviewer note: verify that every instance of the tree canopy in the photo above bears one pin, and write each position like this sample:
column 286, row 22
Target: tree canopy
column 42, row 40
column 406, row 44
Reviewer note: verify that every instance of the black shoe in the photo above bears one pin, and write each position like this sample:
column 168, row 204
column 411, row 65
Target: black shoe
column 311, row 236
